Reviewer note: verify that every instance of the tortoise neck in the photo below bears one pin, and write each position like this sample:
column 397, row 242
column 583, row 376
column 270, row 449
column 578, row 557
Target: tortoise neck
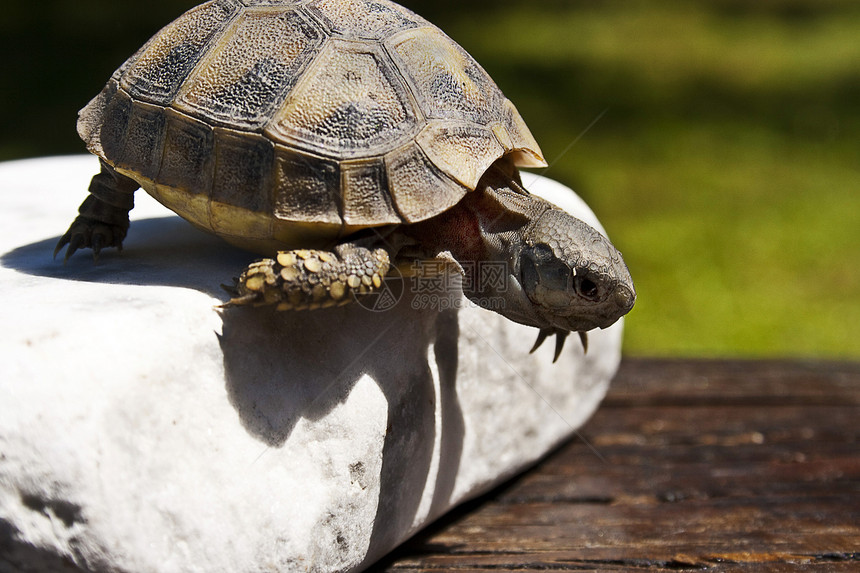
column 488, row 224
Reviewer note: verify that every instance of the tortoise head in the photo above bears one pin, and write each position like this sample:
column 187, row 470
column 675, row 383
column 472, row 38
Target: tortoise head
column 570, row 277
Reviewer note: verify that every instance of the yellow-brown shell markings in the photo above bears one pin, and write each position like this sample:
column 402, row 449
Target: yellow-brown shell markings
column 278, row 124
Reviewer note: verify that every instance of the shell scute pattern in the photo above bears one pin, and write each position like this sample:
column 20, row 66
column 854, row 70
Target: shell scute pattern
column 144, row 138
column 243, row 161
column 410, row 175
column 103, row 123
column 447, row 142
column 307, row 187
column 337, row 116
column 363, row 203
column 368, row 19
column 157, row 71
column 448, row 83
column 188, row 156
column 251, row 70
column 350, row 103
column 252, row 3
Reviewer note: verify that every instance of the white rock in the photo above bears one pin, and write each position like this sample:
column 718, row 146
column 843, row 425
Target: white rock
column 143, row 430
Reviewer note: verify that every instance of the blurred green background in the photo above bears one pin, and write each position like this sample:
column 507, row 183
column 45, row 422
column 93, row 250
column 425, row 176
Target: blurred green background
column 718, row 141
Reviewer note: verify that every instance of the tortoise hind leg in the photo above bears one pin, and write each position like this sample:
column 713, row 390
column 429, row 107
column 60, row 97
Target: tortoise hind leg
column 307, row 279
column 103, row 216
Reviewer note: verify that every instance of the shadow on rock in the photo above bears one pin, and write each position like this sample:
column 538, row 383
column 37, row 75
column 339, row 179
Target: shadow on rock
column 398, row 507
column 284, row 366
column 281, row 367
column 164, row 251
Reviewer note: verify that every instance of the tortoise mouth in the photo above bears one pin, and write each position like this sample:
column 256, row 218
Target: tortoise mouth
column 602, row 314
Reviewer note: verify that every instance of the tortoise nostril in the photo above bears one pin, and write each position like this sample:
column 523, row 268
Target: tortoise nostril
column 587, row 288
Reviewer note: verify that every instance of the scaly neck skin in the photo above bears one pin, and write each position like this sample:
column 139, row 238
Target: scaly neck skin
column 481, row 227
column 503, row 214
column 486, row 233
column 530, row 261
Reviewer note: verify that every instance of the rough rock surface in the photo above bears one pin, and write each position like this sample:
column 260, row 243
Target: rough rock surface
column 144, row 430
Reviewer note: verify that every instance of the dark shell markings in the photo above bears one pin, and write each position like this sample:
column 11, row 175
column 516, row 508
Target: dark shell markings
column 294, row 122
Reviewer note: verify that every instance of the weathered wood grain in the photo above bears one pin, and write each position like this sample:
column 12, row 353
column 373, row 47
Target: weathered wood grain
column 689, row 465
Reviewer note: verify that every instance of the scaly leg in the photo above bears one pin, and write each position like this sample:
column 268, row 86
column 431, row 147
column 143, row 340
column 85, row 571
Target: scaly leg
column 103, row 216
column 306, row 279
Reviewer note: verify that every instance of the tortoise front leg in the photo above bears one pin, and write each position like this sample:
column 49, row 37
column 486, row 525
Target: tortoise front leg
column 103, row 216
column 306, row 279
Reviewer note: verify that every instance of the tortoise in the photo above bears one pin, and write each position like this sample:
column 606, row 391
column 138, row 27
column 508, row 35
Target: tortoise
column 341, row 138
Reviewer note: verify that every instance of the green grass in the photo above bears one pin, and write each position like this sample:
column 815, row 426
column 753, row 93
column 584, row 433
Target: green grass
column 725, row 163
column 726, row 166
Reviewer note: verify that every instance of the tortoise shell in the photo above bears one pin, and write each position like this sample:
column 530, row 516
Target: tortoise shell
column 284, row 123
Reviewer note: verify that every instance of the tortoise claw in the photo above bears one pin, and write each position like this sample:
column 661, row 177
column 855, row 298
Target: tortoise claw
column 64, row 240
column 97, row 243
column 231, row 289
column 583, row 337
column 75, row 243
column 85, row 232
column 560, row 337
column 240, row 300
column 542, row 334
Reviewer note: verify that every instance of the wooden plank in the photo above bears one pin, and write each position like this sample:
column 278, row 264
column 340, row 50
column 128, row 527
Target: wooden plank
column 726, row 466
column 688, row 382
